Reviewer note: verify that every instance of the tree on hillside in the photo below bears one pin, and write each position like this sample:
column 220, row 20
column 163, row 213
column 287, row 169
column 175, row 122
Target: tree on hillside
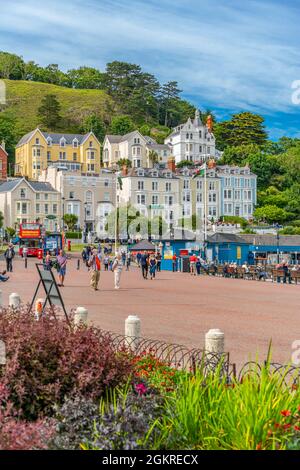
column 8, row 135
column 238, row 155
column 49, row 111
column 86, row 78
column 121, row 125
column 94, row 123
column 169, row 94
column 271, row 214
column 11, row 66
column 70, row 220
column 243, row 129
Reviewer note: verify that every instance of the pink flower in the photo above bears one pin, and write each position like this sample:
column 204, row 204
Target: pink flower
column 141, row 389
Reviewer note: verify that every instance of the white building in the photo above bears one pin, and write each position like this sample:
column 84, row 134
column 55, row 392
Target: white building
column 91, row 198
column 192, row 141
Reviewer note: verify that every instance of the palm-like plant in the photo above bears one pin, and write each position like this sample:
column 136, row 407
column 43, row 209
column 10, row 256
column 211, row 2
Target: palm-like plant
column 153, row 157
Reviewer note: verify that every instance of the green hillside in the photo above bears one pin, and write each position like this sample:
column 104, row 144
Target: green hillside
column 24, row 99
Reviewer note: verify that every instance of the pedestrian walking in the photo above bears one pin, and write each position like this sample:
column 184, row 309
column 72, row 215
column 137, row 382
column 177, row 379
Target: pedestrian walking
column 198, row 266
column 48, row 262
column 95, row 268
column 193, row 260
column 9, row 256
column 152, row 265
column 123, row 258
column 138, row 259
column 117, row 270
column 62, row 267
column 174, row 263
column 158, row 259
column 128, row 260
column 144, row 264
column 106, row 262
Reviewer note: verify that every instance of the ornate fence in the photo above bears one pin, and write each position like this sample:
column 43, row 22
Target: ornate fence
column 288, row 374
column 175, row 355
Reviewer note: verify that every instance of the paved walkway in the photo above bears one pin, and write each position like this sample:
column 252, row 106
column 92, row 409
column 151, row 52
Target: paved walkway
column 179, row 308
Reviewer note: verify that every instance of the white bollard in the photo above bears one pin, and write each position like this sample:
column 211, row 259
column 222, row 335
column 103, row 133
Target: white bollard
column 14, row 300
column 133, row 331
column 1, row 299
column 2, row 353
column 81, row 315
column 215, row 342
column 39, row 305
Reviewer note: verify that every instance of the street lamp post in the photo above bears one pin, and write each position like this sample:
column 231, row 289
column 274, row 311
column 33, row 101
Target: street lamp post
column 85, row 223
column 63, row 213
column 277, row 239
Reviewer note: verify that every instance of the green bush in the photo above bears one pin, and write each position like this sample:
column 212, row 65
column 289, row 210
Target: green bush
column 74, row 235
column 234, row 219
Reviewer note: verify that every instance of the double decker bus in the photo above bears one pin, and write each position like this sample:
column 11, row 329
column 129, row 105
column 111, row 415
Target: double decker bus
column 30, row 236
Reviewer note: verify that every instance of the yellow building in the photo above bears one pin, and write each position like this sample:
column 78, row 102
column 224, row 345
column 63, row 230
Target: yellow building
column 37, row 150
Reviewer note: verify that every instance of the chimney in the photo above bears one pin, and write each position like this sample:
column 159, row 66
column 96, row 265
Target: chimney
column 211, row 164
column 124, row 170
column 3, row 144
column 171, row 164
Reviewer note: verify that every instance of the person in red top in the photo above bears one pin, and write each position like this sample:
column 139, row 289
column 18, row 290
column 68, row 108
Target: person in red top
column 193, row 259
column 174, row 263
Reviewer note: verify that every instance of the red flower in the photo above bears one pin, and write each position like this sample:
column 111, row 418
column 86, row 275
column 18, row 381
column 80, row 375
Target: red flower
column 285, row 413
column 297, row 428
column 259, row 446
column 286, row 426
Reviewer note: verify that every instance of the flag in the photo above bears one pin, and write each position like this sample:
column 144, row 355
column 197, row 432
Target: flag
column 200, row 171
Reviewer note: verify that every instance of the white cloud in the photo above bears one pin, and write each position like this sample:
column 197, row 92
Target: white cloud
column 234, row 54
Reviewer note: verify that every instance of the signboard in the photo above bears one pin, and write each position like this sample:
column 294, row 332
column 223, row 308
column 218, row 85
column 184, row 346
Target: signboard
column 168, row 253
column 238, row 252
column 53, row 296
column 183, row 252
column 30, row 231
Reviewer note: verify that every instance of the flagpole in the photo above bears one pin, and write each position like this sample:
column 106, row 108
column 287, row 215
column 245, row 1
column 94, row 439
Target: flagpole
column 205, row 207
column 116, row 212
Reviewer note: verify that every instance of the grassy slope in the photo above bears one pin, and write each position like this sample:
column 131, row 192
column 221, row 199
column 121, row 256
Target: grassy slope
column 24, row 99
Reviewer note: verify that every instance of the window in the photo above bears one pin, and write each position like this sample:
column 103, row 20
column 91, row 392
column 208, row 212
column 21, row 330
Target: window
column 38, row 152
column 62, row 142
column 200, row 148
column 37, row 208
column 212, row 197
column 140, row 172
column 200, row 134
column 199, row 184
column 23, row 193
column 227, row 194
column 48, row 156
column 141, row 199
column 74, row 157
column 46, row 197
column 38, row 196
column 187, row 136
column 140, row 185
column 237, row 195
column 208, row 150
column 186, row 197
column 24, row 208
column 106, row 196
column 199, row 197
column 154, row 186
column 75, row 143
column 89, row 196
column 54, row 208
column 91, row 143
column 155, row 199
column 227, row 182
column 138, row 151
column 62, row 155
column 211, row 186
column 91, row 167
column 37, row 141
column 106, row 183
column 71, row 195
column 168, row 187
column 186, row 184
column 237, row 210
column 49, row 141
column 169, row 200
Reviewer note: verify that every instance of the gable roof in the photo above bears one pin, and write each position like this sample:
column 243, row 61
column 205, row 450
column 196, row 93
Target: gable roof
column 271, row 240
column 226, row 238
column 143, row 245
column 113, row 139
column 36, row 186
column 116, row 139
column 56, row 137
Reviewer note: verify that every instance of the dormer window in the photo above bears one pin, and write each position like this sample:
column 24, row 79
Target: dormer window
column 62, row 142
column 75, row 143
column 140, row 172
column 168, row 174
column 154, row 174
column 49, row 141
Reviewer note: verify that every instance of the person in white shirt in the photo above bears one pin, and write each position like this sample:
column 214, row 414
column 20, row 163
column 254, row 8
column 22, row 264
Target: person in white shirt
column 117, row 270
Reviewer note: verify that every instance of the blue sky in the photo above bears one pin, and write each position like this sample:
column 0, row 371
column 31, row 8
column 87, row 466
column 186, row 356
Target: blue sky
column 228, row 55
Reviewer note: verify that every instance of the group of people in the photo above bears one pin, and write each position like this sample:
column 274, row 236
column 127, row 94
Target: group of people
column 149, row 263
column 287, row 271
